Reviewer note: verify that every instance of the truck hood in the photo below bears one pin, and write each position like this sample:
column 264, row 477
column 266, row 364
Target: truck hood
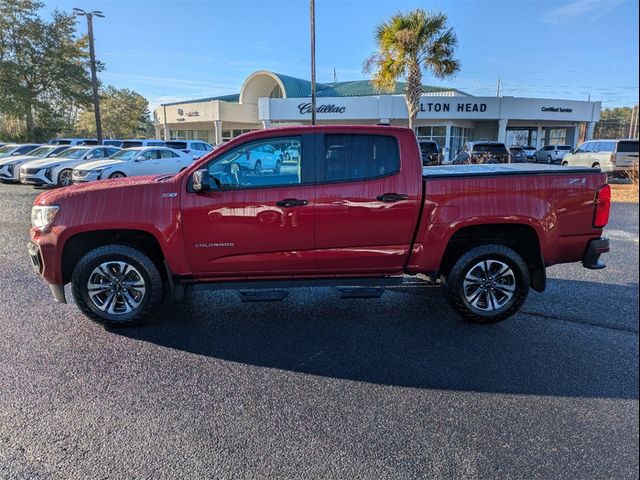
column 99, row 164
column 103, row 187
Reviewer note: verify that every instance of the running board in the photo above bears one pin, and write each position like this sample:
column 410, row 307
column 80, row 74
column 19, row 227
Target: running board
column 263, row 296
column 368, row 283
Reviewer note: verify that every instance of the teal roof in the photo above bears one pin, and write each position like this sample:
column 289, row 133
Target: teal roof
column 300, row 88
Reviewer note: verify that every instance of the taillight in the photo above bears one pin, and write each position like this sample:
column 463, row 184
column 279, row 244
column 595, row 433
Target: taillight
column 603, row 207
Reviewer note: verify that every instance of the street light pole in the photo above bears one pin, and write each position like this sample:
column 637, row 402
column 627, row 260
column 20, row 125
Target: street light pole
column 313, row 62
column 94, row 76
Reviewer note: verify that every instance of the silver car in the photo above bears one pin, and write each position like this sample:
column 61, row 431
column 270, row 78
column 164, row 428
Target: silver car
column 551, row 153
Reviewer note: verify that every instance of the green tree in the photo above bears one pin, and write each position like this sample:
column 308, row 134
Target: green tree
column 613, row 123
column 43, row 67
column 409, row 43
column 125, row 114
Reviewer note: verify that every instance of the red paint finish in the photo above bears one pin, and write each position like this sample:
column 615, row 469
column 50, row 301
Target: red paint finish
column 344, row 230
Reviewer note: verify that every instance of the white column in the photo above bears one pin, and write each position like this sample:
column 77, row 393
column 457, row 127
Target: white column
column 164, row 124
column 590, row 127
column 217, row 128
column 447, row 144
column 539, row 138
column 502, row 130
column 576, row 135
column 266, row 124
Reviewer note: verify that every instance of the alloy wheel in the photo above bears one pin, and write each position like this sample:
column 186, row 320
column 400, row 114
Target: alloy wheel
column 116, row 287
column 489, row 285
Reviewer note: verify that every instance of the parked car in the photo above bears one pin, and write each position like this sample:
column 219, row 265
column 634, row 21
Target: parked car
column 262, row 157
column 133, row 162
column 56, row 171
column 14, row 149
column 551, row 153
column 142, row 142
column 113, row 142
column 530, row 151
column 292, row 153
column 518, row 154
column 73, row 141
column 614, row 157
column 10, row 166
column 429, row 153
column 359, row 211
column 195, row 148
column 482, row 152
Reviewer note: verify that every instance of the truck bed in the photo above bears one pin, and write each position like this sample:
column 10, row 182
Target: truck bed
column 447, row 171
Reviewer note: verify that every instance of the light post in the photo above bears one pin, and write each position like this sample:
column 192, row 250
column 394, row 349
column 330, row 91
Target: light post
column 94, row 77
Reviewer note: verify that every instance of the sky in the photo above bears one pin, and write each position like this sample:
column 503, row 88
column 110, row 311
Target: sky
column 171, row 50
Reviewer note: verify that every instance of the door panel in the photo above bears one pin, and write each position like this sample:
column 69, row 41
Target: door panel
column 245, row 228
column 358, row 229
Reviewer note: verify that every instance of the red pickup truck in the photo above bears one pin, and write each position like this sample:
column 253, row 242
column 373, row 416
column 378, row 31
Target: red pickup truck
column 352, row 208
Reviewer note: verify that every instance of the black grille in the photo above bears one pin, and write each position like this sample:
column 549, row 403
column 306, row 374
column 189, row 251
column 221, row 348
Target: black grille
column 30, row 171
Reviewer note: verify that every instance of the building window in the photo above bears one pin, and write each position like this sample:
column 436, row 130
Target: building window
column 459, row 136
column 557, row 136
column 276, row 92
column 205, row 135
column 226, row 135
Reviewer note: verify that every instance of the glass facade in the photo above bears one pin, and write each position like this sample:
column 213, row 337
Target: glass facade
column 204, row 135
column 436, row 133
column 459, row 136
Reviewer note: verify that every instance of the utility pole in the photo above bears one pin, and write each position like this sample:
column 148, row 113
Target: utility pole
column 633, row 129
column 313, row 62
column 94, row 76
column 498, row 88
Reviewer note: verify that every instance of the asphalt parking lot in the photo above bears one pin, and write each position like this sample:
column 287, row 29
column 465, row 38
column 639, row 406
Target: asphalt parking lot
column 319, row 387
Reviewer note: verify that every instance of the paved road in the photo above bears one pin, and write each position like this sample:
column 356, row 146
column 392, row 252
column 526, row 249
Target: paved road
column 319, row 387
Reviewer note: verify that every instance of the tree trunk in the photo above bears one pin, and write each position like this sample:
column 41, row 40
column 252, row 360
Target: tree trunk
column 413, row 91
column 30, row 123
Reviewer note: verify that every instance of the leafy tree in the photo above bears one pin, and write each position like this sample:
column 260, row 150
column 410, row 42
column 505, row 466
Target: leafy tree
column 409, row 43
column 614, row 123
column 43, row 67
column 125, row 114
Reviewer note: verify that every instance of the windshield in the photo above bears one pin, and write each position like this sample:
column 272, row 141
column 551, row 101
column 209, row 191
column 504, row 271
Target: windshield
column 131, row 144
column 428, row 147
column 72, row 152
column 177, row 145
column 628, row 147
column 42, row 151
column 124, row 155
column 489, row 148
column 7, row 149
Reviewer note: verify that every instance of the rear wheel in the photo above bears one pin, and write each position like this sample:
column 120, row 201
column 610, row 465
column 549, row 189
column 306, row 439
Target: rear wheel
column 64, row 177
column 549, row 159
column 116, row 285
column 488, row 284
column 595, row 165
column 565, row 164
column 117, row 175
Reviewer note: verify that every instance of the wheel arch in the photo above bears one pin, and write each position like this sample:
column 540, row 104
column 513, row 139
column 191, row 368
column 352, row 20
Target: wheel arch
column 521, row 238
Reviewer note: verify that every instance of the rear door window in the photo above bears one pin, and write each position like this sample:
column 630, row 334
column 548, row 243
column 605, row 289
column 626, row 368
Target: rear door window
column 131, row 144
column 168, row 154
column 628, row 147
column 177, row 145
column 606, row 147
column 353, row 157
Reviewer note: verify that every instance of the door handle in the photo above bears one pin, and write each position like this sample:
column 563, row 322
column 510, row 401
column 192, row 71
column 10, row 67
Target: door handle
column 392, row 197
column 292, row 202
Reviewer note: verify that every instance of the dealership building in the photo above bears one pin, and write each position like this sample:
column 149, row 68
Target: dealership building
column 447, row 115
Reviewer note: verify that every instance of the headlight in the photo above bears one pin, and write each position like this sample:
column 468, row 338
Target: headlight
column 42, row 216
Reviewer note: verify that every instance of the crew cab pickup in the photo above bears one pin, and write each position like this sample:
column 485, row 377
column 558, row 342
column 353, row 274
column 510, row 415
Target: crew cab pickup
column 355, row 210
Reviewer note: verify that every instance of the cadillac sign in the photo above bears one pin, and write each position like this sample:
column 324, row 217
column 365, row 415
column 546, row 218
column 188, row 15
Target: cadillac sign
column 305, row 108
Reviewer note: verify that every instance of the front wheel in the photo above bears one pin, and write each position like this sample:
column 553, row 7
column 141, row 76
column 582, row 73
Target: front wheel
column 549, row 159
column 117, row 175
column 488, row 284
column 116, row 285
column 64, row 178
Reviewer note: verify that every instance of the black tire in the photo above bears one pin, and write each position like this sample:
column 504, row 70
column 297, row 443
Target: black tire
column 465, row 265
column 565, row 164
column 278, row 167
column 117, row 175
column 595, row 165
column 549, row 159
column 142, row 265
column 64, row 177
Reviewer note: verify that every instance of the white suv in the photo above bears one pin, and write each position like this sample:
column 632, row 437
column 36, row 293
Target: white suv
column 196, row 148
column 611, row 156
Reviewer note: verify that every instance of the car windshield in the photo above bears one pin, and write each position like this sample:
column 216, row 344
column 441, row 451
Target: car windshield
column 177, row 145
column 131, row 144
column 61, row 142
column 7, row 149
column 124, row 155
column 628, row 147
column 428, row 147
column 564, row 147
column 72, row 152
column 489, row 148
column 42, row 151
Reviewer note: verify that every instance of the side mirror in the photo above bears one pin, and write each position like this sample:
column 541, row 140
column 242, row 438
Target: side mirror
column 201, row 182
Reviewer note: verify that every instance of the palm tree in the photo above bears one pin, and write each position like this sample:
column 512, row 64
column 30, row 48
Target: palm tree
column 408, row 44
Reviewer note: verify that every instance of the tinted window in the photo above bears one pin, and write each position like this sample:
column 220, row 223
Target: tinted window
column 156, row 144
column 251, row 166
column 564, row 147
column 628, row 147
column 358, row 157
column 490, row 148
column 61, row 142
column 130, row 144
column 428, row 147
column 88, row 142
column 589, row 146
column 606, row 147
column 25, row 149
column 177, row 145
column 115, row 143
column 168, row 154
column 150, row 155
column 95, row 153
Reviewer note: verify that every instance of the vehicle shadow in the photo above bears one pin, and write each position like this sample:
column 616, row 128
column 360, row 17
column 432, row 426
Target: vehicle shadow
column 408, row 338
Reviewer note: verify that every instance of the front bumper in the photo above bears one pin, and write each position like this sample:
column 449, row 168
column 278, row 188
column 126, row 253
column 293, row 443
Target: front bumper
column 37, row 265
column 39, row 179
column 591, row 258
column 9, row 173
column 88, row 177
